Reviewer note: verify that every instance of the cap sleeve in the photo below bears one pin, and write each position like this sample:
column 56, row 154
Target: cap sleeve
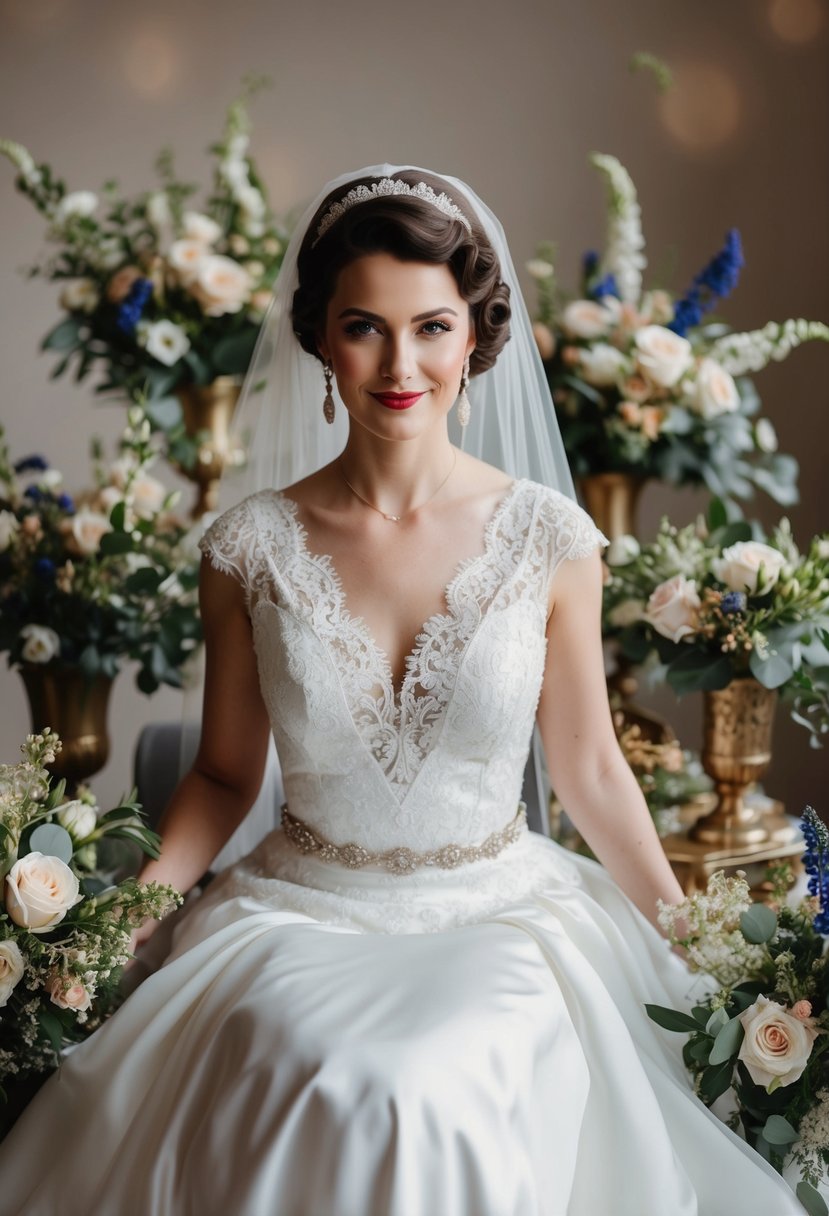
column 228, row 543
column 567, row 529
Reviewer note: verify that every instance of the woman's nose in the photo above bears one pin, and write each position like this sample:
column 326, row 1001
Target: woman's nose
column 398, row 360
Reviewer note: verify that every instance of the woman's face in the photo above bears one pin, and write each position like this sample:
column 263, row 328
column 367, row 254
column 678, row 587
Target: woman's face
column 397, row 334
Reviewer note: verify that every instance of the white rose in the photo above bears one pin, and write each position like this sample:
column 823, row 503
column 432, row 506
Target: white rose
column 40, row 890
column 78, row 818
column 12, row 967
column 586, row 319
column 148, row 495
column 662, row 355
column 715, row 391
column 777, row 1046
column 198, row 227
column 80, row 296
column 765, row 435
column 186, row 258
column 166, row 342
column 739, row 566
column 9, row 527
column 539, row 268
column 108, row 497
column 221, row 285
column 87, row 529
column 121, row 469
column 602, row 364
column 81, row 202
column 626, row 613
column 76, row 997
column 673, row 608
column 621, row 550
column 42, row 643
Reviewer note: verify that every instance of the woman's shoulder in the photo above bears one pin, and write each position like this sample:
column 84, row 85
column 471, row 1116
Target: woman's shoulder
column 230, row 540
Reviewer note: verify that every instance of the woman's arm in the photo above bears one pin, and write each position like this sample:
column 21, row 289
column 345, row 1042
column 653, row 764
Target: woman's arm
column 589, row 773
column 212, row 799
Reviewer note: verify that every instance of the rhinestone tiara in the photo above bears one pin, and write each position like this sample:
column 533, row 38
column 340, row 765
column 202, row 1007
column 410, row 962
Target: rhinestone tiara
column 387, row 187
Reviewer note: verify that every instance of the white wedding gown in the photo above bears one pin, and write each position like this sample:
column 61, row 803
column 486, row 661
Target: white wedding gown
column 326, row 1040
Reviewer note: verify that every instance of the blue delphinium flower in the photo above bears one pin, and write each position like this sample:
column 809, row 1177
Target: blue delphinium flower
column 716, row 281
column 733, row 602
column 129, row 313
column 66, row 502
column 589, row 263
column 605, row 287
column 38, row 463
column 35, row 493
column 45, row 568
column 816, row 864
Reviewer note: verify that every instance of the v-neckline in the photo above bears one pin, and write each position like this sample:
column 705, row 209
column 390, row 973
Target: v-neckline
column 462, row 568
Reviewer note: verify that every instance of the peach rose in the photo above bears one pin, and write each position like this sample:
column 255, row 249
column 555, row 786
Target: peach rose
column 673, row 608
column 40, row 890
column 739, row 566
column 630, row 412
column 185, row 258
column 586, row 319
column 87, row 529
column 777, row 1046
column 802, row 1010
column 635, row 388
column 601, row 364
column 118, row 287
column 544, row 340
column 652, row 417
column 75, row 996
column 662, row 355
column 220, row 285
column 715, row 392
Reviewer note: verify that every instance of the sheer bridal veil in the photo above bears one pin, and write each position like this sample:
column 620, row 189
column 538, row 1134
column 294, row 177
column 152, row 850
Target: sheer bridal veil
column 279, row 423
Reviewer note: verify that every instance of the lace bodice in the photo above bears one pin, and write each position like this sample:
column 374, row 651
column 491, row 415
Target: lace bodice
column 441, row 761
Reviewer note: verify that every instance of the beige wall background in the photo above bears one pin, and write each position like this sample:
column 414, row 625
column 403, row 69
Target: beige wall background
column 511, row 97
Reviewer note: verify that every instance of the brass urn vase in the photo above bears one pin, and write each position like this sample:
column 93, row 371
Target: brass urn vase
column 736, row 751
column 63, row 699
column 207, row 411
column 612, row 499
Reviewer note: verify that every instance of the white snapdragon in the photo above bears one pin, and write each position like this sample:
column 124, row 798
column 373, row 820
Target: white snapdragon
column 22, row 160
column 750, row 352
column 623, row 258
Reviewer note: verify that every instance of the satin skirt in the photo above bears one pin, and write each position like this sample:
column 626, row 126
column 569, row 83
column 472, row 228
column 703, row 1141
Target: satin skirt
column 323, row 1042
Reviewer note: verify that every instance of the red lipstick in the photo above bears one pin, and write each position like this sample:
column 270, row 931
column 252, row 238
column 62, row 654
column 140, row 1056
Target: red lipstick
column 397, row 401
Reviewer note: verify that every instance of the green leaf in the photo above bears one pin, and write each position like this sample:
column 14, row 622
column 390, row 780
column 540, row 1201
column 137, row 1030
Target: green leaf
column 117, row 516
column 727, row 1042
column 53, row 840
column 113, row 543
column 812, row 1200
column 778, row 1130
column 672, row 1019
column 144, row 581
column 718, row 1019
column 771, row 672
column 90, row 661
column 52, row 1027
column 758, row 924
column 717, row 514
column 715, row 1081
column 701, row 1050
column 695, row 670
column 232, row 355
column 146, row 682
column 64, row 336
column 165, row 414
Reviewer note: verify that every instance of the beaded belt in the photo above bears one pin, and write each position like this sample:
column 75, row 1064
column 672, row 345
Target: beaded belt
column 400, row 860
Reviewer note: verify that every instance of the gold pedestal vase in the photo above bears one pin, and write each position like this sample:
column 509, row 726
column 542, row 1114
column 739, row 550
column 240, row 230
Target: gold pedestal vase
column 209, row 408
column 76, row 709
column 736, row 752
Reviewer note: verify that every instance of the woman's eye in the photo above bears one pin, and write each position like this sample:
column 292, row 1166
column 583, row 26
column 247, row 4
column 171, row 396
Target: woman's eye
column 359, row 329
column 436, row 327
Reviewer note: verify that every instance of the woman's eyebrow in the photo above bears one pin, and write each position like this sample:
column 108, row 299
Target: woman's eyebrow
column 372, row 316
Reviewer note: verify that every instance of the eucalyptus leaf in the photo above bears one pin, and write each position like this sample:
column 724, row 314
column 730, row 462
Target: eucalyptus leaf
column 771, row 672
column 778, row 1130
column 64, row 336
column 719, row 1018
column 758, row 924
column 164, row 413
column 53, row 1028
column 715, row 1081
column 53, row 840
column 727, row 1042
column 812, row 1200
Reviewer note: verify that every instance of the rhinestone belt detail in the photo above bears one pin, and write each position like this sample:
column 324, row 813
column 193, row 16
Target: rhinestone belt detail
column 400, row 860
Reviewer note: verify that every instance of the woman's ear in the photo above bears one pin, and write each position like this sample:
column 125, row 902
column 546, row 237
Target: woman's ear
column 322, row 347
column 471, row 344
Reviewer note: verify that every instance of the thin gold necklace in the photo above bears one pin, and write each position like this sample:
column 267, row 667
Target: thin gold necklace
column 395, row 519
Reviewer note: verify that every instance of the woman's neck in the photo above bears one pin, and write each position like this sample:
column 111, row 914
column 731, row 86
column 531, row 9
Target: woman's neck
column 397, row 476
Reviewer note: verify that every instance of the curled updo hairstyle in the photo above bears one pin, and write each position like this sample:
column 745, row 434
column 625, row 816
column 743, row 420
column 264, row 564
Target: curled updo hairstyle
column 411, row 230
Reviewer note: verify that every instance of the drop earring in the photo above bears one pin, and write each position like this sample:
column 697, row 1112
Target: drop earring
column 328, row 403
column 464, row 408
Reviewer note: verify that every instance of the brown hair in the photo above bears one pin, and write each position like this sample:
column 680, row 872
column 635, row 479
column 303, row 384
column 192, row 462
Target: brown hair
column 412, row 230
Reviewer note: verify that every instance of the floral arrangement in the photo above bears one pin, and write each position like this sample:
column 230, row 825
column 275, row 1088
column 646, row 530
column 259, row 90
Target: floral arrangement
column 64, row 935
column 161, row 295
column 89, row 581
column 717, row 601
column 641, row 385
column 763, row 1033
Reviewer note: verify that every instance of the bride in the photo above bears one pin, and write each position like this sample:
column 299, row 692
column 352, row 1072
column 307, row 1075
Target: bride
column 402, row 1002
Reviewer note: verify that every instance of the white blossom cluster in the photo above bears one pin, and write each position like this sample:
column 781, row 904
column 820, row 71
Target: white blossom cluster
column 714, row 941
column 751, row 351
column 813, row 1145
column 234, row 169
column 623, row 257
